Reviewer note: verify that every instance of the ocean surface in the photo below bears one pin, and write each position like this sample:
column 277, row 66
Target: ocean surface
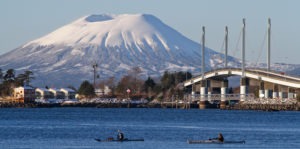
column 68, row 128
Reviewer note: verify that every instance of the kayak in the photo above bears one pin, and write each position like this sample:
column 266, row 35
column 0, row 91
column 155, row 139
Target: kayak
column 113, row 140
column 214, row 142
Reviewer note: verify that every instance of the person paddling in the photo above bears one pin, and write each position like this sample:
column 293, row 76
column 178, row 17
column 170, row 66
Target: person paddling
column 120, row 136
column 220, row 138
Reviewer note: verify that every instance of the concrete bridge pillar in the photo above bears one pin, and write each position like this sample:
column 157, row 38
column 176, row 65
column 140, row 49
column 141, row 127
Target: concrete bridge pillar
column 193, row 93
column 297, row 91
column 261, row 93
column 268, row 93
column 268, row 89
column 193, row 90
column 280, row 95
column 244, row 88
column 291, row 93
column 209, row 93
column 275, row 91
column 280, row 92
column 224, row 91
column 203, row 93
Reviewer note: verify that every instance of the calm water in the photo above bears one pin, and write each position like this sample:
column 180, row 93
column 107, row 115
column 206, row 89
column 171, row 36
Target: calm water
column 161, row 128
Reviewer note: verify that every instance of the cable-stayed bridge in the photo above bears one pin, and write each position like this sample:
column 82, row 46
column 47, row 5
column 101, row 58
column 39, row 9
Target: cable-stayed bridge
column 269, row 84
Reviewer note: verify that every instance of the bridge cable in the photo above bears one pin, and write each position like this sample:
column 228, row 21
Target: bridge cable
column 261, row 49
column 237, row 44
column 260, row 53
column 220, row 57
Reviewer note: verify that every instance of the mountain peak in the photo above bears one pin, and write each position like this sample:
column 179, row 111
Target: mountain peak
column 114, row 29
column 99, row 18
column 107, row 17
column 116, row 42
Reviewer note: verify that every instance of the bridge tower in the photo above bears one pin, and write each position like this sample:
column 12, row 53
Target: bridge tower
column 244, row 83
column 203, row 52
column 243, row 47
column 203, row 84
column 224, row 82
column 275, row 88
column 269, row 44
column 226, row 45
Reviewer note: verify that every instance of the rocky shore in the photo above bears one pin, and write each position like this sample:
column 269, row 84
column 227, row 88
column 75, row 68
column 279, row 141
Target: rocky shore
column 253, row 105
column 268, row 105
column 265, row 107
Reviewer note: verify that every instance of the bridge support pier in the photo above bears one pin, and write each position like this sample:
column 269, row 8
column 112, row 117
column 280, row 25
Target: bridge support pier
column 275, row 91
column 291, row 93
column 202, row 105
column 203, row 91
column 280, row 94
column 261, row 90
column 244, row 88
column 268, row 93
column 209, row 94
column 224, row 91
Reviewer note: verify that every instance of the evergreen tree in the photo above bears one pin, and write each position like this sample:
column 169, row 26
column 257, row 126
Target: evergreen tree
column 28, row 76
column 20, row 79
column 24, row 78
column 8, row 82
column 10, row 75
column 149, row 83
column 86, row 89
column 165, row 80
column 183, row 76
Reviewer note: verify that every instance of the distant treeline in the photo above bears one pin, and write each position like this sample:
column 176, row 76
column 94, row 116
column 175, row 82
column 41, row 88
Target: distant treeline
column 9, row 80
column 168, row 85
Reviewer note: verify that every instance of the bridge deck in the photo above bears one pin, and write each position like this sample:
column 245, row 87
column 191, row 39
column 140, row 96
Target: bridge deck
column 259, row 74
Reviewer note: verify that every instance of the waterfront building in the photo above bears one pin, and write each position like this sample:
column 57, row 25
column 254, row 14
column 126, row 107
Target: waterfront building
column 24, row 94
column 58, row 94
column 69, row 93
column 43, row 93
column 102, row 92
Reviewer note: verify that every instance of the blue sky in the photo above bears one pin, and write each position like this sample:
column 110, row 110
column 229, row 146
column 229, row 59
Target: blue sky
column 26, row 20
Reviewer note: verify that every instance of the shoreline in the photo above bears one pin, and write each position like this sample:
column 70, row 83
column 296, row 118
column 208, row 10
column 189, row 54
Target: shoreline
column 238, row 106
column 266, row 107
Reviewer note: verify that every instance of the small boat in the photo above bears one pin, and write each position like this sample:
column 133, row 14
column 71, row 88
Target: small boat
column 214, row 142
column 113, row 140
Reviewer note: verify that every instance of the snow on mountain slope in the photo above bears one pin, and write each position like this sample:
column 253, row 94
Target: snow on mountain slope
column 116, row 42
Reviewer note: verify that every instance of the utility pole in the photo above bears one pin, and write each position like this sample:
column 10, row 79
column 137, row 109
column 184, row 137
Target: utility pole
column 95, row 65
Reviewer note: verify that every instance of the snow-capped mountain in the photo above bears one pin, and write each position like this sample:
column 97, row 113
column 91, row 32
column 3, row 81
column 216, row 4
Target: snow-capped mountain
column 117, row 43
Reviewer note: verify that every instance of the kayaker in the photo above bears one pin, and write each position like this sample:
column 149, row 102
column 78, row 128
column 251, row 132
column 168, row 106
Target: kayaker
column 120, row 135
column 220, row 137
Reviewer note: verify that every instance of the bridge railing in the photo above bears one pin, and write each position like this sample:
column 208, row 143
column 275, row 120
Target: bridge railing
column 219, row 97
column 274, row 74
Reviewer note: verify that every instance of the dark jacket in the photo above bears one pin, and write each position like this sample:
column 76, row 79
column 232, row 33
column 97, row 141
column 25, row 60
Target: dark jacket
column 120, row 136
column 221, row 138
